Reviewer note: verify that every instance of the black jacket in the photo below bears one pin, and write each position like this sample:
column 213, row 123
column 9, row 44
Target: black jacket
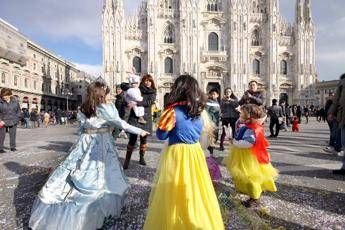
column 120, row 104
column 10, row 112
column 228, row 108
column 149, row 98
column 257, row 98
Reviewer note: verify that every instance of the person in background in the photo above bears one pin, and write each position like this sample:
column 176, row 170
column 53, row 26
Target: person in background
column 26, row 116
column 229, row 114
column 10, row 115
column 276, row 113
column 213, row 110
column 34, row 118
column 120, row 104
column 306, row 111
column 149, row 92
column 252, row 95
column 337, row 111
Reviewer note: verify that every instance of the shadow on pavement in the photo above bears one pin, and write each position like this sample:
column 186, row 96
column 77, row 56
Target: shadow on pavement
column 58, row 146
column 30, row 181
column 319, row 199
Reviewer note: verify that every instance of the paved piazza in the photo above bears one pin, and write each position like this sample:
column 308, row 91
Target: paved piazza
column 309, row 196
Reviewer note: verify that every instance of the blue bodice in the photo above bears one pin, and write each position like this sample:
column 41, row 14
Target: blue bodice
column 186, row 130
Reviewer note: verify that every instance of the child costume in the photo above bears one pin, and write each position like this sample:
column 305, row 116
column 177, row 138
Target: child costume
column 134, row 94
column 295, row 125
column 90, row 184
column 183, row 196
column 249, row 162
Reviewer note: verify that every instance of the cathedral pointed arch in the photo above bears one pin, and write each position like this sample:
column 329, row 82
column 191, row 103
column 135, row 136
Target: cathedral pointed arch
column 169, row 34
column 256, row 37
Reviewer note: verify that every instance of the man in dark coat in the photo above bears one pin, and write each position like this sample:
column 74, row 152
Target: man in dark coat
column 252, row 96
column 337, row 111
column 10, row 114
column 275, row 112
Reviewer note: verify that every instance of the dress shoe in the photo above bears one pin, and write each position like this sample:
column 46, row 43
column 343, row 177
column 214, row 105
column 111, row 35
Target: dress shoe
column 13, row 149
column 339, row 172
column 2, row 151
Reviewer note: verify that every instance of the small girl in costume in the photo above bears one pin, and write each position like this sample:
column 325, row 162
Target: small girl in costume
column 183, row 196
column 248, row 160
column 295, row 125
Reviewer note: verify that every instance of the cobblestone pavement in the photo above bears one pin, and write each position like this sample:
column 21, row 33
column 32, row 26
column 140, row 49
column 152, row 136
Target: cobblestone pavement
column 308, row 197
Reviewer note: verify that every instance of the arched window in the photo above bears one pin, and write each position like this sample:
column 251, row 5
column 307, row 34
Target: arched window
column 137, row 64
column 168, row 65
column 256, row 38
column 256, row 66
column 213, row 5
column 213, row 42
column 169, row 34
column 283, row 67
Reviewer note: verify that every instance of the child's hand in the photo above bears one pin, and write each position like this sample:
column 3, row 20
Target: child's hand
column 144, row 133
column 231, row 141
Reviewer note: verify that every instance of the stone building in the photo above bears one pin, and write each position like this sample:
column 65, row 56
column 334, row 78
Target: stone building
column 323, row 89
column 37, row 77
column 223, row 43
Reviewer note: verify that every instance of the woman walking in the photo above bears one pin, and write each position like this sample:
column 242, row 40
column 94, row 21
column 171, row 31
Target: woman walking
column 89, row 186
column 148, row 92
column 10, row 115
column 183, row 196
column 230, row 114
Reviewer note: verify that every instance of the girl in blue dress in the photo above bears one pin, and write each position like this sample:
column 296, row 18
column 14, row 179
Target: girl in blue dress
column 89, row 185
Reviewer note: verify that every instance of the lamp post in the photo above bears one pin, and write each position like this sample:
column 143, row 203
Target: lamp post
column 68, row 93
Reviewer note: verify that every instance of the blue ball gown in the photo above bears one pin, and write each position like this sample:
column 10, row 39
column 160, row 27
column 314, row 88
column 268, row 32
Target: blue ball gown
column 89, row 185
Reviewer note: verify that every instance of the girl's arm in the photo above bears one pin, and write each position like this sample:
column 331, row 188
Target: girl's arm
column 110, row 114
column 247, row 141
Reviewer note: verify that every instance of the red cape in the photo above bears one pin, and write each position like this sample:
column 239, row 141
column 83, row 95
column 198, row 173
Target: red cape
column 261, row 144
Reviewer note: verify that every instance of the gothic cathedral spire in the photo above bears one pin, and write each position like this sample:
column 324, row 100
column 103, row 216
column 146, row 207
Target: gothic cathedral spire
column 298, row 12
column 307, row 11
column 112, row 23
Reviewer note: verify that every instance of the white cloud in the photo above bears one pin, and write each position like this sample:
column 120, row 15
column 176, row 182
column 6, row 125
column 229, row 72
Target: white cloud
column 77, row 19
column 94, row 70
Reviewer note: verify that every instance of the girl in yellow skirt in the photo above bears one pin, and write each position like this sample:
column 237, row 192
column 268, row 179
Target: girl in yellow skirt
column 183, row 196
column 248, row 160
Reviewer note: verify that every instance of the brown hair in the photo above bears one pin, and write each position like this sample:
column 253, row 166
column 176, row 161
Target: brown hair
column 186, row 89
column 6, row 92
column 252, row 112
column 96, row 93
column 148, row 77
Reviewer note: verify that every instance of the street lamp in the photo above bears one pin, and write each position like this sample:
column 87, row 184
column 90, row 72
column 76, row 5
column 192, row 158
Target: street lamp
column 68, row 93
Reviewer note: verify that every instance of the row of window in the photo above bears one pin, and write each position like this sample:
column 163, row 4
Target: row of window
column 169, row 66
column 15, row 81
column 257, row 64
column 213, row 39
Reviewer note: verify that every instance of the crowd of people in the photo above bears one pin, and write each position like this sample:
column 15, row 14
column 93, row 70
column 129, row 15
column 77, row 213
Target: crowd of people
column 90, row 184
column 35, row 119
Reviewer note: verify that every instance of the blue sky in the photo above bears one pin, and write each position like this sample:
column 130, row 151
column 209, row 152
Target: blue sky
column 72, row 29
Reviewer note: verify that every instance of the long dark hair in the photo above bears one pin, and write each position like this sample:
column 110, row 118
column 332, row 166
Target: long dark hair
column 96, row 93
column 148, row 77
column 186, row 89
column 232, row 96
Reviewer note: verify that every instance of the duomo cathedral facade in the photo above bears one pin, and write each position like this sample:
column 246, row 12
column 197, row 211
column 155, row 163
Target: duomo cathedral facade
column 222, row 43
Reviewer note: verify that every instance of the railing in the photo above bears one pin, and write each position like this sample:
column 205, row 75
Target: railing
column 214, row 56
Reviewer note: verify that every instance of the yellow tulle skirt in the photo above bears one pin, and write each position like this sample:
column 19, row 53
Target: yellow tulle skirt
column 249, row 176
column 183, row 195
